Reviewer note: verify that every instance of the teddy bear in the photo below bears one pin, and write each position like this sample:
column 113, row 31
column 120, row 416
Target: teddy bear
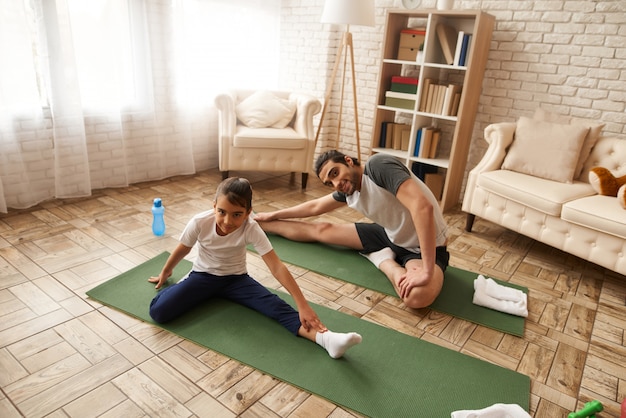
column 606, row 184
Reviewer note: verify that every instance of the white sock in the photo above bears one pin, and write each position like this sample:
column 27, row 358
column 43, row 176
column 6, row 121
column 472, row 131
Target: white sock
column 377, row 257
column 337, row 343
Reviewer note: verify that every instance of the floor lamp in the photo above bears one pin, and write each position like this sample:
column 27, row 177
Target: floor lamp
column 345, row 12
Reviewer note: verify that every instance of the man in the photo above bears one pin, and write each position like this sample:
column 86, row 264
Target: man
column 408, row 240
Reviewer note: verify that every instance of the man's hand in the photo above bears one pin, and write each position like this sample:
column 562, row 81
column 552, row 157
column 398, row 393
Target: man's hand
column 310, row 320
column 413, row 277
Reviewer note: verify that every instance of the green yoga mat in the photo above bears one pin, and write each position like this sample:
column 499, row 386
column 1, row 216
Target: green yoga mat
column 348, row 265
column 389, row 374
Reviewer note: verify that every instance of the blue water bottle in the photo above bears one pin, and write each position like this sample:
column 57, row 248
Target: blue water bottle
column 158, row 224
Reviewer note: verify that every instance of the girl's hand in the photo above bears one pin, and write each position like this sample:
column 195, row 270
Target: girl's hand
column 310, row 320
column 159, row 280
column 264, row 217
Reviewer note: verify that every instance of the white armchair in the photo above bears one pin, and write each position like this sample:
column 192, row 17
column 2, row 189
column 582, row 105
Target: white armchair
column 262, row 143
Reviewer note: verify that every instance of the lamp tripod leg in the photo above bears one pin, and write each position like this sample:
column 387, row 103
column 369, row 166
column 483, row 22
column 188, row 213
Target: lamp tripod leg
column 343, row 84
column 348, row 45
column 356, row 112
column 329, row 90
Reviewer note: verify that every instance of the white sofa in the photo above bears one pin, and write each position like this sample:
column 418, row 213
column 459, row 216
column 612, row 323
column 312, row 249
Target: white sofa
column 567, row 216
column 251, row 139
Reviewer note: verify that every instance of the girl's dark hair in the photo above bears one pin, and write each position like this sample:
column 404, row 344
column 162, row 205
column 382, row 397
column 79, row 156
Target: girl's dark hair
column 334, row 156
column 237, row 190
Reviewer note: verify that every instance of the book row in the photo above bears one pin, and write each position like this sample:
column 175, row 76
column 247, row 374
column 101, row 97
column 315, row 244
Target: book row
column 430, row 175
column 454, row 44
column 440, row 99
column 397, row 136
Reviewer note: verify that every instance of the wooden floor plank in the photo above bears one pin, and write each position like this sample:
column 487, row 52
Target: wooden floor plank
column 63, row 354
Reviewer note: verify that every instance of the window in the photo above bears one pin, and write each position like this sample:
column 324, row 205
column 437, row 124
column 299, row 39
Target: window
column 225, row 43
column 119, row 53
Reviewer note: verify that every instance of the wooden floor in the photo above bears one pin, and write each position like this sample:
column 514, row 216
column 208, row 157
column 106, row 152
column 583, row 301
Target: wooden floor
column 63, row 355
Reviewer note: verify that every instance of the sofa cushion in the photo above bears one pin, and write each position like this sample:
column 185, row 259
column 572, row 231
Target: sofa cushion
column 286, row 138
column 609, row 152
column 264, row 109
column 545, row 149
column 546, row 196
column 600, row 213
column 590, row 140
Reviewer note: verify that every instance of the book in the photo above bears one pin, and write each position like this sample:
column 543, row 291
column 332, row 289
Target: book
column 455, row 104
column 424, row 98
column 464, row 48
column 441, row 93
column 389, row 135
column 448, row 102
column 382, row 140
column 399, row 103
column 457, row 49
column 418, row 138
column 406, row 138
column 400, row 100
column 434, row 181
column 400, row 95
column 447, row 36
column 434, row 144
column 429, row 98
column 404, row 80
column 427, row 136
column 404, row 84
column 404, row 88
column 421, row 169
column 398, row 129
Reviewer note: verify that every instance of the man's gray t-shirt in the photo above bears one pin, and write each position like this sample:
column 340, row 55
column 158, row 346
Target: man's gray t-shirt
column 382, row 176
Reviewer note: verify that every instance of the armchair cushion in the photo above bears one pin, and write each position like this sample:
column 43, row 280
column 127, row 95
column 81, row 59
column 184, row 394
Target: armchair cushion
column 263, row 109
column 268, row 138
column 544, row 149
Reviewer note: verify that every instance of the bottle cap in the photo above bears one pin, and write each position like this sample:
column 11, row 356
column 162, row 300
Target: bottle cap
column 157, row 202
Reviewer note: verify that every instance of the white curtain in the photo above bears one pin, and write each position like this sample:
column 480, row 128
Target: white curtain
column 105, row 93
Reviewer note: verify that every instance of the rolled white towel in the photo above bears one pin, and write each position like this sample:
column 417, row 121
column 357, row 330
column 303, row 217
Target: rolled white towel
column 506, row 299
column 499, row 410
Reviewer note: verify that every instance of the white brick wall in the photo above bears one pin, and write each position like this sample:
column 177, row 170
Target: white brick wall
column 568, row 57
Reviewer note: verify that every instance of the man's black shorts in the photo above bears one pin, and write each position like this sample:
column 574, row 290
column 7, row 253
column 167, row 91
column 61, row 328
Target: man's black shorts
column 373, row 238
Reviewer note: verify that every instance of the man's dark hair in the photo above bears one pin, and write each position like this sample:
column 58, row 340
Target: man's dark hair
column 334, row 156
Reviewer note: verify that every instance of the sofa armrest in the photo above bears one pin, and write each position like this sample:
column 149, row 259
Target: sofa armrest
column 225, row 104
column 499, row 136
column 227, row 121
column 307, row 106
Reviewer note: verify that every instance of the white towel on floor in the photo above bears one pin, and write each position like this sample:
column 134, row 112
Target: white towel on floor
column 492, row 295
column 499, row 410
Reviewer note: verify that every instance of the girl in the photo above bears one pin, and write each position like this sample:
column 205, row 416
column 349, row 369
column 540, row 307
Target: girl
column 220, row 271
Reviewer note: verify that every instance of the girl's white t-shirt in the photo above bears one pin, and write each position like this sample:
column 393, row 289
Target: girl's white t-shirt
column 223, row 255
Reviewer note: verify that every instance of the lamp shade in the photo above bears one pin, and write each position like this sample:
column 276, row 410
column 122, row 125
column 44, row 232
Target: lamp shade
column 349, row 12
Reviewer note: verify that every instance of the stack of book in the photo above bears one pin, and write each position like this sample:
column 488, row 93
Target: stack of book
column 440, row 99
column 427, row 142
column 454, row 45
column 462, row 50
column 395, row 136
column 403, row 93
column 430, row 175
